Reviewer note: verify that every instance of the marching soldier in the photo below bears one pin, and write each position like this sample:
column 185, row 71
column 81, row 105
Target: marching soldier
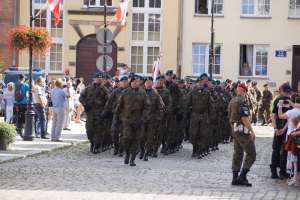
column 152, row 117
column 129, row 110
column 243, row 135
column 199, row 117
column 177, row 115
column 110, row 106
column 166, row 97
column 257, row 98
column 266, row 105
column 93, row 98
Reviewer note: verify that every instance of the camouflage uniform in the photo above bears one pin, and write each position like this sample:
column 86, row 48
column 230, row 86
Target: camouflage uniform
column 93, row 98
column 266, row 106
column 199, row 102
column 163, row 128
column 152, row 117
column 129, row 110
column 237, row 109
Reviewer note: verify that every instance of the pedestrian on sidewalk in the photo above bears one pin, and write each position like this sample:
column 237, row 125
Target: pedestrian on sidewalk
column 69, row 105
column 58, row 97
column 40, row 103
column 9, row 99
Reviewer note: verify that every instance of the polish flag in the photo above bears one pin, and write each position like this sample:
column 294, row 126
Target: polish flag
column 121, row 13
column 55, row 7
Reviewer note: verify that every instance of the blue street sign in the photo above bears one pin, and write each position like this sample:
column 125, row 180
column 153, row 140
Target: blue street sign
column 280, row 53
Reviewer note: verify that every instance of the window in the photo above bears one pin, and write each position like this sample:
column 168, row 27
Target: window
column 256, row 7
column 145, row 39
column 96, row 3
column 153, row 53
column 52, row 61
column 137, row 61
column 294, row 8
column 253, row 60
column 154, row 3
column 154, row 27
column 138, row 3
column 138, row 26
column 201, row 59
column 203, row 7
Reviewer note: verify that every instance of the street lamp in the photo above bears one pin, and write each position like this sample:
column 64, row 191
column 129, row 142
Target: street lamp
column 29, row 115
column 212, row 42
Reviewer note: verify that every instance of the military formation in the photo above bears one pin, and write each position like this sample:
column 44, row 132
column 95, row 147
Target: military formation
column 141, row 117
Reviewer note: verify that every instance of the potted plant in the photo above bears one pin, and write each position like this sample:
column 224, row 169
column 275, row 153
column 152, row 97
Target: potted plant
column 7, row 135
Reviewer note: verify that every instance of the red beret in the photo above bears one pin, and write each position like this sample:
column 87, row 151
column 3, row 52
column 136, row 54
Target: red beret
column 244, row 86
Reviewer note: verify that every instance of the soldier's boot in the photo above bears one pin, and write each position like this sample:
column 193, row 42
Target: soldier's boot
column 142, row 153
column 95, row 149
column 132, row 160
column 195, row 151
column 200, row 154
column 217, row 146
column 172, row 149
column 163, row 148
column 242, row 179
column 146, row 156
column 116, row 149
column 274, row 174
column 120, row 151
column 126, row 160
column 235, row 175
column 155, row 154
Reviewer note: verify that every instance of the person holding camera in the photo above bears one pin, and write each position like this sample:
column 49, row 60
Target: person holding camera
column 243, row 135
column 279, row 155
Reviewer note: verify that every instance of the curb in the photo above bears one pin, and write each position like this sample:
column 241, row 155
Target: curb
column 66, row 146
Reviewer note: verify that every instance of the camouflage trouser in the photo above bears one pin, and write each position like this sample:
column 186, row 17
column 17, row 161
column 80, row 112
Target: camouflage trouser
column 199, row 130
column 94, row 129
column 172, row 132
column 265, row 108
column 243, row 144
column 116, row 132
column 131, row 136
column 150, row 140
column 107, row 139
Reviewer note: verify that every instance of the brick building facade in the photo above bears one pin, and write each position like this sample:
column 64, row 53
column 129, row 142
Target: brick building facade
column 9, row 17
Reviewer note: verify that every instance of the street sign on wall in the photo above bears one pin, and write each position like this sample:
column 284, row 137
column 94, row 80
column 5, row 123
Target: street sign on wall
column 280, row 54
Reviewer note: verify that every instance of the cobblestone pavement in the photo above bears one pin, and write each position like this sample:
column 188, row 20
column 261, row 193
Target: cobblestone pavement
column 76, row 174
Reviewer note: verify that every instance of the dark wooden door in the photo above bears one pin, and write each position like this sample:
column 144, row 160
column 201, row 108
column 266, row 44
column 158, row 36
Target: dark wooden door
column 296, row 66
column 86, row 57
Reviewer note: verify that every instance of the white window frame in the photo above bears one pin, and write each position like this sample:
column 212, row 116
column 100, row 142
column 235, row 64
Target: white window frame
column 206, row 64
column 256, row 12
column 97, row 4
column 209, row 10
column 146, row 43
column 294, row 15
column 58, row 40
column 256, row 48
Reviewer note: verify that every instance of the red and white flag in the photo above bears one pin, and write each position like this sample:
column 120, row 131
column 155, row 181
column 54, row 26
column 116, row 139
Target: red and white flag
column 156, row 69
column 121, row 13
column 55, row 8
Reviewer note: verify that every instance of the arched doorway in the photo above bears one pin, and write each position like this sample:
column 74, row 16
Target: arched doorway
column 86, row 57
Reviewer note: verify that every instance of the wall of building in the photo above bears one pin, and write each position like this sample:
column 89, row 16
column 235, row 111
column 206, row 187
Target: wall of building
column 232, row 30
column 8, row 9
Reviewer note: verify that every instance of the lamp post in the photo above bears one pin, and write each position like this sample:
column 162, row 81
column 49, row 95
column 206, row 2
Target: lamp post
column 29, row 115
column 212, row 42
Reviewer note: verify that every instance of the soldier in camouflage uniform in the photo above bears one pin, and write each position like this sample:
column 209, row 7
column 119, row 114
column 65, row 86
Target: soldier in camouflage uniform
column 199, row 102
column 184, row 91
column 166, row 97
column 243, row 135
column 93, row 98
column 174, row 120
column 116, row 127
column 266, row 105
column 257, row 101
column 129, row 110
column 152, row 117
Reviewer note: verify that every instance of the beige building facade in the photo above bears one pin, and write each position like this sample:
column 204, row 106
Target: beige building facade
column 255, row 39
column 152, row 30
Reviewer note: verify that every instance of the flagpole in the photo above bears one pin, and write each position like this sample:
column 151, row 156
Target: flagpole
column 29, row 116
column 212, row 42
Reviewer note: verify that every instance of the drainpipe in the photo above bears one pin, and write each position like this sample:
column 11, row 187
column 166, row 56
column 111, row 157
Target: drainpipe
column 179, row 37
column 15, row 21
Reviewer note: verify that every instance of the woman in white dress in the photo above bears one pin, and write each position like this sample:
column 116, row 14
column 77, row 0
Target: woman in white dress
column 9, row 99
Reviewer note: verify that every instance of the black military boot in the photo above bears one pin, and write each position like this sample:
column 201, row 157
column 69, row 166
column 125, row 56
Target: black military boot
column 132, row 159
column 126, row 160
column 195, row 151
column 217, row 147
column 91, row 147
column 242, row 179
column 142, row 153
column 116, row 149
column 274, row 174
column 235, row 175
column 146, row 156
column 200, row 154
